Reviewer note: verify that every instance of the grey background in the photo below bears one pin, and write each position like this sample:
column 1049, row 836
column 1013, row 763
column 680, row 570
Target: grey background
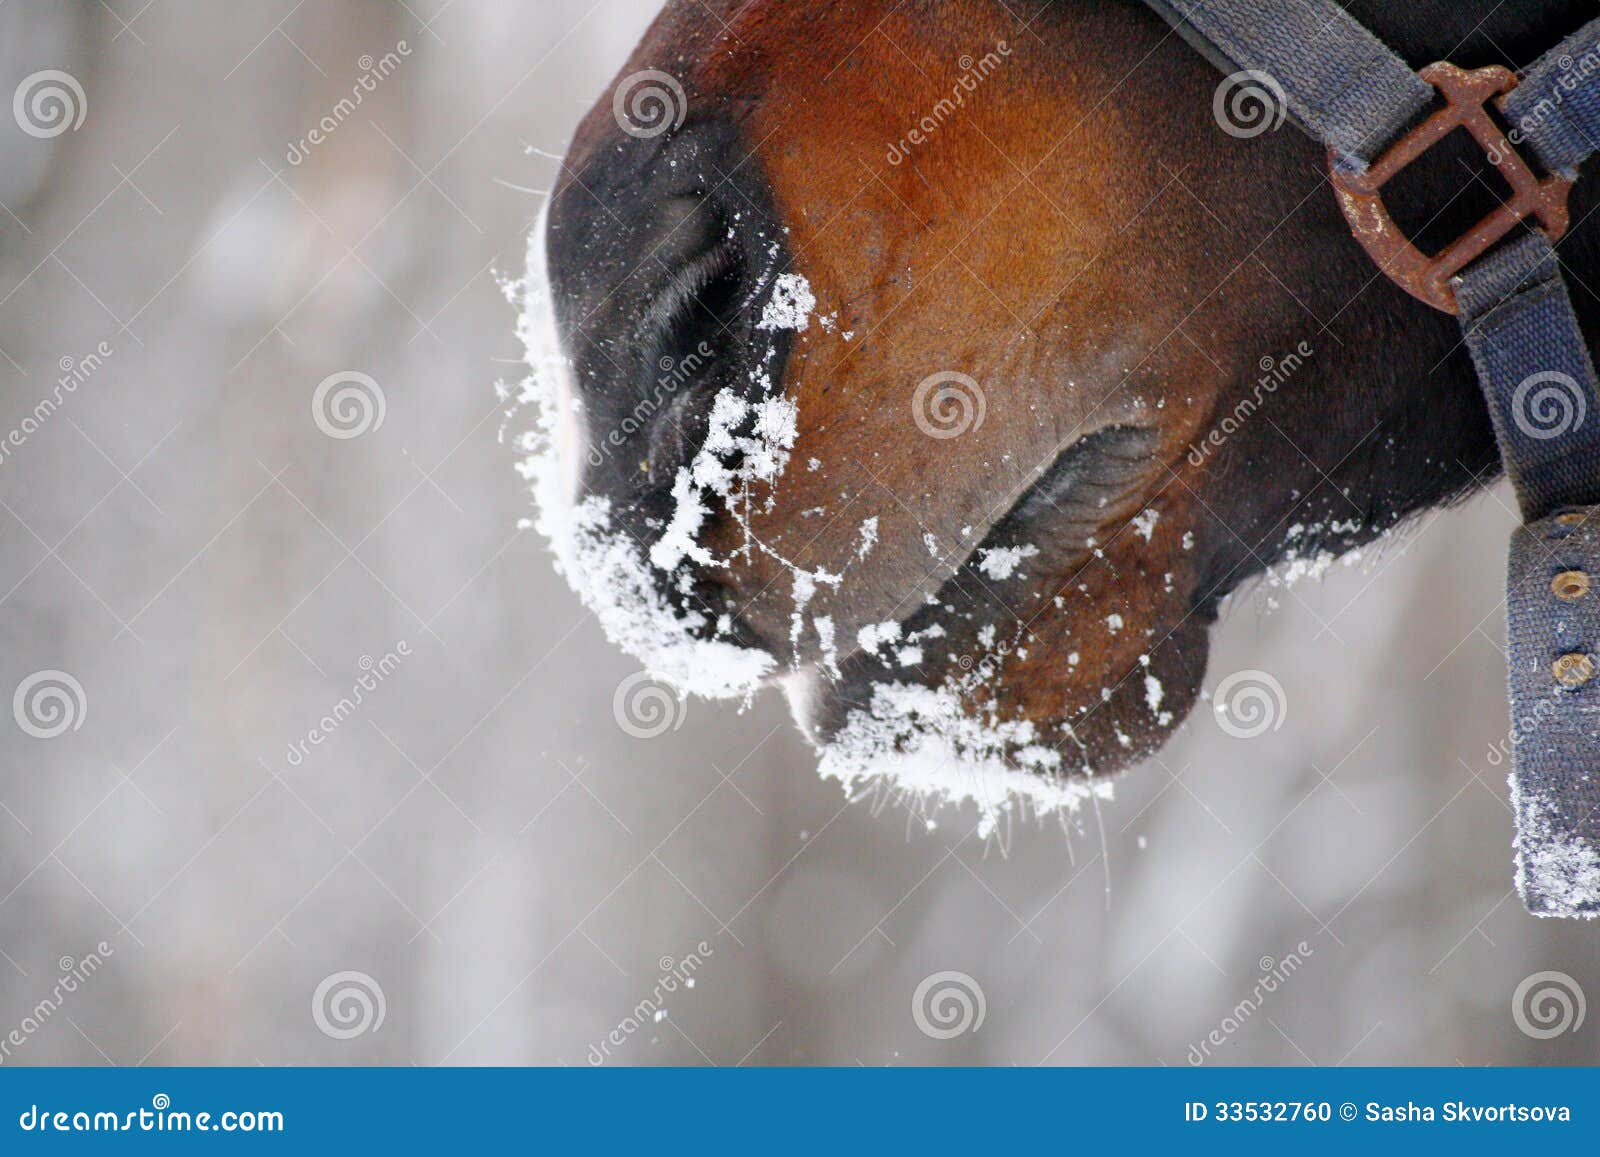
column 481, row 838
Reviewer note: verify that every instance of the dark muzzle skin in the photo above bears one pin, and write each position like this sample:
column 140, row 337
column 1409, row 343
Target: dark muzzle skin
column 1158, row 365
column 662, row 253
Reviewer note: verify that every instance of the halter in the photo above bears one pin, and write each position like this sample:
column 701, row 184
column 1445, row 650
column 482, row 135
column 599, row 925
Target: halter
column 1342, row 85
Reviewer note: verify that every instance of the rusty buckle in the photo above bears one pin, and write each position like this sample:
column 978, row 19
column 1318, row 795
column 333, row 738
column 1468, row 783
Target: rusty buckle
column 1467, row 95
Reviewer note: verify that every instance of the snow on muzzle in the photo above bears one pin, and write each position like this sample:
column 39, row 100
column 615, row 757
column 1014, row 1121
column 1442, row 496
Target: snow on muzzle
column 921, row 705
column 641, row 587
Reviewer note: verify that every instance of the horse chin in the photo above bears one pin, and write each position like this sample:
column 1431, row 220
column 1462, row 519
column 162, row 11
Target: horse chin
column 1010, row 689
column 960, row 736
column 927, row 743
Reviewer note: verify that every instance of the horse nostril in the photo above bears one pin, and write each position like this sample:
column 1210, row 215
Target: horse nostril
column 665, row 334
column 698, row 269
column 660, row 253
column 685, row 334
column 697, row 293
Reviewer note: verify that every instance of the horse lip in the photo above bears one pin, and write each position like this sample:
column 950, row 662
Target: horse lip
column 1110, row 462
column 1112, row 458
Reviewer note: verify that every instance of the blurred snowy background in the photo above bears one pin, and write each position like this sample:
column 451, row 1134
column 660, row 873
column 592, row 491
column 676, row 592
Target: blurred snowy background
column 512, row 874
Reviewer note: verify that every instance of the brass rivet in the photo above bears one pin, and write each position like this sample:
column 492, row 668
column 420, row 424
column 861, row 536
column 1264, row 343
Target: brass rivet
column 1574, row 670
column 1570, row 584
column 1571, row 518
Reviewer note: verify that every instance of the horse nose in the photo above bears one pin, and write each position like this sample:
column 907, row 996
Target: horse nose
column 627, row 214
column 647, row 268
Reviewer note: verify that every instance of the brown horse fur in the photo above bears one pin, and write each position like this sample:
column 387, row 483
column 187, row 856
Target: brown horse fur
column 1189, row 371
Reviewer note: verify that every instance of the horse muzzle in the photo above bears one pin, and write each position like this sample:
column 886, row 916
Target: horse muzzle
column 657, row 371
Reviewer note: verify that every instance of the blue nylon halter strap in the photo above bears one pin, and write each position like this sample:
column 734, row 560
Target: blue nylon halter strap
column 1540, row 384
column 1345, row 87
column 1556, row 107
column 1341, row 83
column 1536, row 374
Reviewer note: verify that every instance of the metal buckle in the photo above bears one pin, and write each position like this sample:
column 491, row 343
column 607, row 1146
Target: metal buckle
column 1466, row 95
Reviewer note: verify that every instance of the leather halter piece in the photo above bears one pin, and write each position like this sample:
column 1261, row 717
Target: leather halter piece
column 1503, row 281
